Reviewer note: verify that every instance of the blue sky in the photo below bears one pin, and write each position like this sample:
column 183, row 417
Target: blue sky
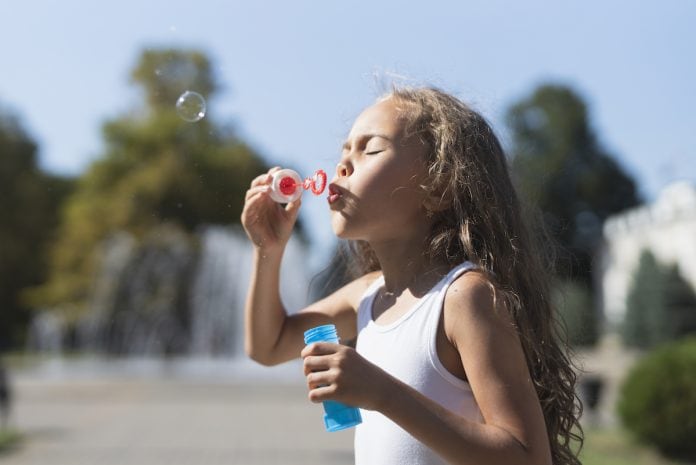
column 296, row 73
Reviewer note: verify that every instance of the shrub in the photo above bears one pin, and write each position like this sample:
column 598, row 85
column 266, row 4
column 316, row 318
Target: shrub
column 658, row 399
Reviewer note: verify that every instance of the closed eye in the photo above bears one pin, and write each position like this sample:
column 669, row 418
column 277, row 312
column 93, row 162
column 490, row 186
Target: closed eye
column 374, row 152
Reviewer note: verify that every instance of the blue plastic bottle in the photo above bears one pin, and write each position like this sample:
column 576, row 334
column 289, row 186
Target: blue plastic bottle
column 337, row 416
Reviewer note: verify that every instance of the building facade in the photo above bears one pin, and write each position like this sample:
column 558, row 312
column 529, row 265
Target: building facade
column 666, row 227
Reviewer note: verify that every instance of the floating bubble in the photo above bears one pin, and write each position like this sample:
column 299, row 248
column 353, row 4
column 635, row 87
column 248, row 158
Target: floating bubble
column 191, row 106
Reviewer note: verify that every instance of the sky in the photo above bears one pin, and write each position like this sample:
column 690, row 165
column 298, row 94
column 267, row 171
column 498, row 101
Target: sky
column 295, row 74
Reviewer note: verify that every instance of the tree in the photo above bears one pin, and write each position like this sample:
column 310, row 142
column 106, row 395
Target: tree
column 661, row 305
column 680, row 301
column 559, row 166
column 643, row 324
column 578, row 315
column 157, row 169
column 29, row 205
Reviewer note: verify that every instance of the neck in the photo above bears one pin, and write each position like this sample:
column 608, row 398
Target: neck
column 406, row 265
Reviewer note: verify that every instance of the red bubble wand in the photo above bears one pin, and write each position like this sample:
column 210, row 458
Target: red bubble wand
column 287, row 185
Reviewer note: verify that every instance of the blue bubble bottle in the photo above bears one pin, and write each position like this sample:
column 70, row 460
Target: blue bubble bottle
column 337, row 416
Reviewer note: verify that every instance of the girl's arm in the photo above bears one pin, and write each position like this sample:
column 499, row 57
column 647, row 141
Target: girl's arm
column 271, row 336
column 513, row 431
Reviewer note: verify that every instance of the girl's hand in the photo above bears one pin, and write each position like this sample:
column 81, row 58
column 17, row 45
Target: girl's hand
column 336, row 372
column 266, row 222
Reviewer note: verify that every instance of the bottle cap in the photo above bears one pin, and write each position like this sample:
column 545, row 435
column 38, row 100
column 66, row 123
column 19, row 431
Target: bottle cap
column 324, row 333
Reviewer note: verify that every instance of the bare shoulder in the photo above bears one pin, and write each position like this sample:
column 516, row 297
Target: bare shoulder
column 339, row 308
column 473, row 290
column 354, row 290
column 472, row 302
column 351, row 292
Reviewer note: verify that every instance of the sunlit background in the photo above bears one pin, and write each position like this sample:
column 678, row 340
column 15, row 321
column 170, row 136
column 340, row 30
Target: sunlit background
column 129, row 132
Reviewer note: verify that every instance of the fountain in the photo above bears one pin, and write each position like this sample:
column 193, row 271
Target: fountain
column 220, row 286
column 172, row 301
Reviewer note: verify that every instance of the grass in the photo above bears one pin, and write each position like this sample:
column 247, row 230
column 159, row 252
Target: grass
column 9, row 439
column 616, row 447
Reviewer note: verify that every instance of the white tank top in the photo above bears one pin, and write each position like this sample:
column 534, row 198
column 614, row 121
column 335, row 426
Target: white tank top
column 406, row 349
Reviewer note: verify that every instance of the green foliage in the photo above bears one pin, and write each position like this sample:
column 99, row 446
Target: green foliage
column 9, row 440
column 658, row 399
column 645, row 321
column 617, row 447
column 578, row 315
column 559, row 166
column 29, row 204
column 156, row 169
column 661, row 305
column 680, row 303
column 165, row 74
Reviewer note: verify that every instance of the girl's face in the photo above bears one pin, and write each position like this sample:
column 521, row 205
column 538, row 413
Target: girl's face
column 375, row 194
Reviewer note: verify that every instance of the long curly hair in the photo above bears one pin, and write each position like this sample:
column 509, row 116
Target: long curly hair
column 477, row 216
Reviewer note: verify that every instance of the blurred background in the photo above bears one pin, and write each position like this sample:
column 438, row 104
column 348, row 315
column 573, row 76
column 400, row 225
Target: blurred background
column 129, row 132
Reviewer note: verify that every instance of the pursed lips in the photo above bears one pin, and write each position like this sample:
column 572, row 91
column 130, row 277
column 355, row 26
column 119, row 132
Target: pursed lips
column 334, row 194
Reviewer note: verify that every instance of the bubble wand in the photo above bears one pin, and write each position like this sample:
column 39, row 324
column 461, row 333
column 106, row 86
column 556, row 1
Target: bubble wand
column 287, row 185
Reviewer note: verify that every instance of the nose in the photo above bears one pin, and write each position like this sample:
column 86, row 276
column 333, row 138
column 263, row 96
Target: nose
column 343, row 169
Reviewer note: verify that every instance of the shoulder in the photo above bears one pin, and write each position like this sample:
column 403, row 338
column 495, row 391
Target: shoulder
column 472, row 288
column 340, row 307
column 368, row 278
column 355, row 290
column 352, row 293
column 472, row 303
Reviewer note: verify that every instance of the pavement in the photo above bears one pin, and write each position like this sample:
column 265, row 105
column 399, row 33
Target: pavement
column 173, row 420
column 201, row 412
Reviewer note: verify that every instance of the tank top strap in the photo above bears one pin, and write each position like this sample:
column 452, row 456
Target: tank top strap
column 365, row 305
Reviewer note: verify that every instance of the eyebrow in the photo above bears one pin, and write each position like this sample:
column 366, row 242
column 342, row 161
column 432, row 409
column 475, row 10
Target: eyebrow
column 366, row 137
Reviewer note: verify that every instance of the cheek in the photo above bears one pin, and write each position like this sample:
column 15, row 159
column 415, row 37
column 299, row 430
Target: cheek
column 383, row 185
column 398, row 193
column 400, row 178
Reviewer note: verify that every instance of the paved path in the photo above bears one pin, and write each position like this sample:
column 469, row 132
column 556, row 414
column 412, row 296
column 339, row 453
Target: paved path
column 193, row 412
column 151, row 421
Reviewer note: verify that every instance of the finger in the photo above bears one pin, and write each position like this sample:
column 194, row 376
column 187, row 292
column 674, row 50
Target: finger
column 322, row 393
column 254, row 207
column 293, row 207
column 315, row 363
column 319, row 348
column 318, row 379
column 262, row 179
column 266, row 178
column 254, row 203
column 256, row 190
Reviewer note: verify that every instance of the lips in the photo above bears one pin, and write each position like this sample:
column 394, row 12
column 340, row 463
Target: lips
column 334, row 194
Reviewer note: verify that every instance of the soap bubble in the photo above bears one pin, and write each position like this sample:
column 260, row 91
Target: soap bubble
column 191, row 106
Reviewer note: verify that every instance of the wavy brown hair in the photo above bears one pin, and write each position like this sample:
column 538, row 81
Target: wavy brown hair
column 477, row 216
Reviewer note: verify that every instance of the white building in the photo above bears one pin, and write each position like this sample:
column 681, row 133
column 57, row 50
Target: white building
column 666, row 227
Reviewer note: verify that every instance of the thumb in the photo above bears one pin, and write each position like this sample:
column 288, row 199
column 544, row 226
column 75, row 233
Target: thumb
column 293, row 207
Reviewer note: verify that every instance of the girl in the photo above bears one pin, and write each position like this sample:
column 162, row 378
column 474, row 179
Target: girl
column 456, row 359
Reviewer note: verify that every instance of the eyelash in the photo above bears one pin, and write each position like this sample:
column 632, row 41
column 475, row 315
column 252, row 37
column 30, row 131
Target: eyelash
column 374, row 152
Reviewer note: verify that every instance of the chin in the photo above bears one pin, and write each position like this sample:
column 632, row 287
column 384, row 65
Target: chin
column 346, row 229
column 342, row 232
column 338, row 225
